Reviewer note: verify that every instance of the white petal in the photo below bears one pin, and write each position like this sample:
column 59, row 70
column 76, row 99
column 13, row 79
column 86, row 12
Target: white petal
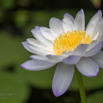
column 57, row 58
column 38, row 44
column 100, row 38
column 37, row 34
column 56, row 25
column 92, row 24
column 95, row 42
column 62, row 78
column 67, row 54
column 87, row 67
column 94, row 50
column 100, row 13
column 69, row 16
column 98, row 30
column 98, row 58
column 68, row 22
column 39, row 51
column 79, row 21
column 73, row 59
column 40, row 58
column 92, row 44
column 36, row 66
column 48, row 33
column 35, row 50
column 80, row 49
column 25, row 45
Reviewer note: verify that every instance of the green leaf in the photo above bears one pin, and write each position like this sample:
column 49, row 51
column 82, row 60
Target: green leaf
column 12, row 90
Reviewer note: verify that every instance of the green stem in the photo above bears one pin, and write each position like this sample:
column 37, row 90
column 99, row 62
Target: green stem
column 81, row 87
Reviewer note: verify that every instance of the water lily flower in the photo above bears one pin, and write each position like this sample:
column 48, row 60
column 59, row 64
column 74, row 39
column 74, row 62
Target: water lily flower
column 67, row 43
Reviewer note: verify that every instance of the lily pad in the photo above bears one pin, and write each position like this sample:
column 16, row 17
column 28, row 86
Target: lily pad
column 12, row 90
column 11, row 50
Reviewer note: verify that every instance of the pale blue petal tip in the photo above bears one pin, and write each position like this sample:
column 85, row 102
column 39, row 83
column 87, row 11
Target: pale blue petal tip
column 21, row 65
column 57, row 95
column 81, row 9
column 31, row 57
column 52, row 18
column 66, row 14
column 22, row 43
column 37, row 27
column 32, row 30
column 94, row 75
column 100, row 13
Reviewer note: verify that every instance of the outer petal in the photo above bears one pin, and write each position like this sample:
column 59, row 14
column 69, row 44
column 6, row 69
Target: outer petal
column 48, row 33
column 98, row 58
column 34, row 49
column 56, row 58
column 100, row 38
column 80, row 49
column 95, row 42
column 94, row 50
column 38, row 44
column 92, row 24
column 62, row 78
column 73, row 59
column 37, row 34
column 25, row 44
column 56, row 25
column 67, row 54
column 36, row 66
column 92, row 44
column 69, row 16
column 98, row 30
column 79, row 20
column 68, row 22
column 88, row 67
column 100, row 13
column 41, row 58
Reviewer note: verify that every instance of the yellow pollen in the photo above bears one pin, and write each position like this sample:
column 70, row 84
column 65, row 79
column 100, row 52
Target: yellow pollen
column 68, row 41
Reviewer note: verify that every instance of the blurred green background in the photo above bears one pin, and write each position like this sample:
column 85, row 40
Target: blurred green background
column 17, row 18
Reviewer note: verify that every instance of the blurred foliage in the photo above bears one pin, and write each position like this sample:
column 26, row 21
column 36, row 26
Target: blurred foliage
column 7, row 4
column 17, row 18
column 21, row 18
column 95, row 97
column 96, row 3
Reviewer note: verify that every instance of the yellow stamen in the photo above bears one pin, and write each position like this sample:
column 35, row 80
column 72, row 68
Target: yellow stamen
column 68, row 41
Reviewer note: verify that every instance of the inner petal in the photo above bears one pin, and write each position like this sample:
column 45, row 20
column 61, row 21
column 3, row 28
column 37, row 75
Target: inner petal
column 68, row 41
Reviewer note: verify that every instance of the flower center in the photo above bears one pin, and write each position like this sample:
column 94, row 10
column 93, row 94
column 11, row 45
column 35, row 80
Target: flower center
column 68, row 41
